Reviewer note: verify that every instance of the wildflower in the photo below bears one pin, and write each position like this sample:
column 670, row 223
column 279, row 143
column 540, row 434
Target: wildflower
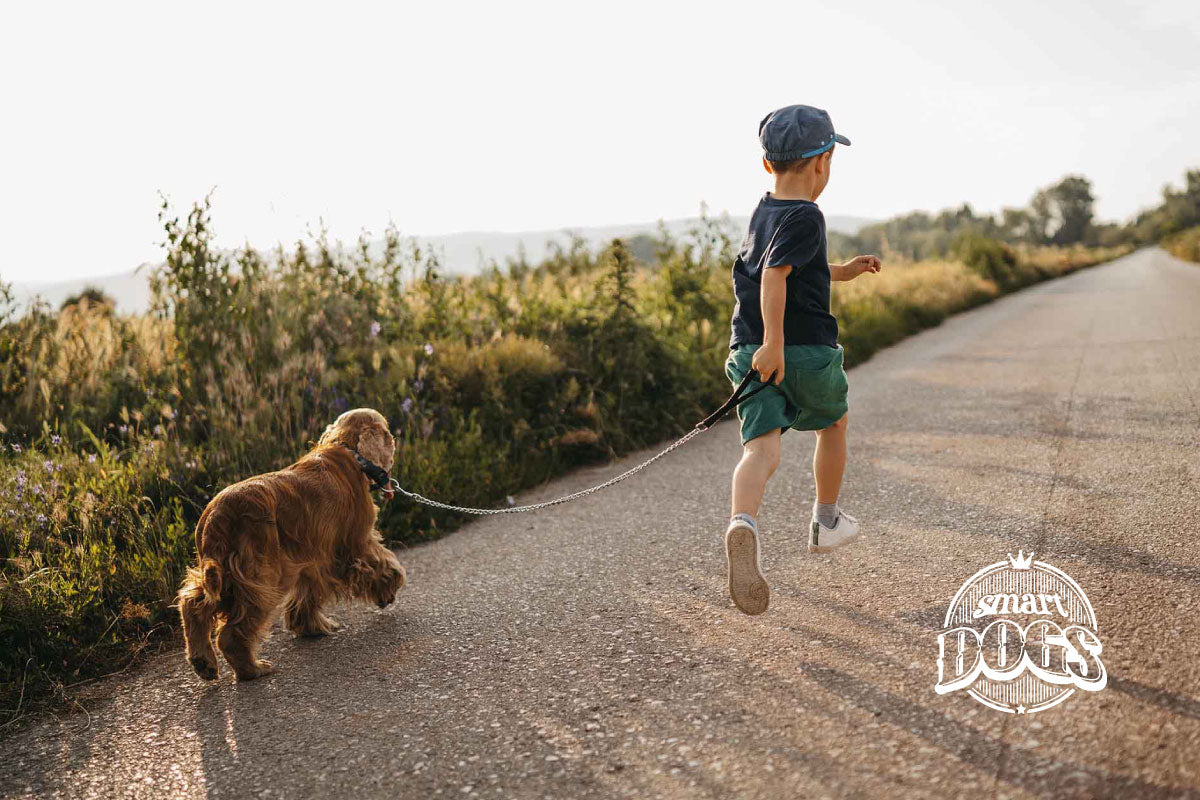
column 418, row 385
column 55, row 439
column 91, row 458
column 36, row 488
column 20, row 478
column 375, row 328
column 158, row 430
column 428, row 349
column 48, row 465
column 512, row 501
column 407, row 405
column 122, row 429
column 41, row 519
column 16, row 447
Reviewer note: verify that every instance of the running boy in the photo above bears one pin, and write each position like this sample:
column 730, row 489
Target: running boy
column 783, row 329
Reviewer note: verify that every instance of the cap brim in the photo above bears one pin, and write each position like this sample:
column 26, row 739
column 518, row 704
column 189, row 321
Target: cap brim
column 837, row 137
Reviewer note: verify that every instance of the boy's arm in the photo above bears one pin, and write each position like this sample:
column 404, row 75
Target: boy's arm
column 854, row 267
column 768, row 359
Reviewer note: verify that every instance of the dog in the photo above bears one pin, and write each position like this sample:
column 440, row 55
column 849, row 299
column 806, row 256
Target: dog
column 295, row 539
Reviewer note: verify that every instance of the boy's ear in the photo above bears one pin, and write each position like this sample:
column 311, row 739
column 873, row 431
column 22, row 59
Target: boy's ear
column 823, row 161
column 767, row 166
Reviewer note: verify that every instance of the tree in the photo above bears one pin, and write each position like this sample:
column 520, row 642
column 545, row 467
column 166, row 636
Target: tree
column 95, row 297
column 1017, row 225
column 1062, row 213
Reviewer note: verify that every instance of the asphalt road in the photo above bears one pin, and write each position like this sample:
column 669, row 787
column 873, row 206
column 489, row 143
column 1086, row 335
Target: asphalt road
column 590, row 650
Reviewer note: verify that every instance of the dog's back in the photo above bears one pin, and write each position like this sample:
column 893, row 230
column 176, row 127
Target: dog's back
column 299, row 534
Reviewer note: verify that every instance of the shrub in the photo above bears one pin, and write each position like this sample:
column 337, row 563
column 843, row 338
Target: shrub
column 1185, row 244
column 987, row 257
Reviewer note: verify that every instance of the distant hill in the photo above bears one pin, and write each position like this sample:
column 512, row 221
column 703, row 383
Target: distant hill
column 461, row 254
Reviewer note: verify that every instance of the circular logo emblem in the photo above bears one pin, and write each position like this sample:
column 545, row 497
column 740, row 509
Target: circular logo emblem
column 1020, row 636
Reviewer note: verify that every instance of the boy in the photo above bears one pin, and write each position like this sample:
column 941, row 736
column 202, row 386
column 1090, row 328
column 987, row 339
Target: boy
column 783, row 329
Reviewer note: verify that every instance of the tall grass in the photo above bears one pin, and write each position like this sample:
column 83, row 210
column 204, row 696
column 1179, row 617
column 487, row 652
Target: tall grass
column 1185, row 244
column 115, row 431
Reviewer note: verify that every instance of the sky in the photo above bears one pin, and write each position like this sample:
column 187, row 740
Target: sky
column 447, row 117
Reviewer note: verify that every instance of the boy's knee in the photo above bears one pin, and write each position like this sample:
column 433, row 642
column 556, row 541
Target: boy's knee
column 766, row 450
column 841, row 423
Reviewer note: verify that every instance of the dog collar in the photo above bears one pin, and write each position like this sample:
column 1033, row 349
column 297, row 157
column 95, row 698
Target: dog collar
column 377, row 475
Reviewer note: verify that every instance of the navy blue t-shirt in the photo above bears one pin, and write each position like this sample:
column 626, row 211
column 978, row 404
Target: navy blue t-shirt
column 784, row 233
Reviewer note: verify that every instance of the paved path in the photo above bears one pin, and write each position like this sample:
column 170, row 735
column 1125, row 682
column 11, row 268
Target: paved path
column 590, row 651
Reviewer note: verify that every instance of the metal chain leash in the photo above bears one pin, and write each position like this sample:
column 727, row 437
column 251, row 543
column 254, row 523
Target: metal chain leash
column 546, row 504
column 739, row 395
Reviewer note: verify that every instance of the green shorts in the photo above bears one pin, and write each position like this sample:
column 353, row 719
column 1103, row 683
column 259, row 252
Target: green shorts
column 811, row 398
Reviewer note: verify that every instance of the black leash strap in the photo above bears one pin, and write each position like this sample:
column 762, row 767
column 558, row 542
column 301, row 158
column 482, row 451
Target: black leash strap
column 376, row 474
column 735, row 399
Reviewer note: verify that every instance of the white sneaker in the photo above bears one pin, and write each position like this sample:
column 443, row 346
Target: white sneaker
column 822, row 539
column 747, row 587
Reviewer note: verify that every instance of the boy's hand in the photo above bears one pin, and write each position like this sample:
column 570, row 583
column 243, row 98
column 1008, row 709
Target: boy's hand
column 858, row 265
column 768, row 360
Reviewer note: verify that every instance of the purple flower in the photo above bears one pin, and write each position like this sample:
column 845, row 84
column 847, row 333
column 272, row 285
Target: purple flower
column 36, row 488
column 123, row 429
column 56, row 439
column 375, row 328
column 428, row 349
column 91, row 458
column 20, row 477
column 16, row 447
column 48, row 465
column 158, row 430
column 41, row 519
column 407, row 405
column 418, row 385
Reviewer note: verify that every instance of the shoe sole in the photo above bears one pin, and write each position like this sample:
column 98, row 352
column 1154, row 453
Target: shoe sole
column 747, row 587
column 828, row 548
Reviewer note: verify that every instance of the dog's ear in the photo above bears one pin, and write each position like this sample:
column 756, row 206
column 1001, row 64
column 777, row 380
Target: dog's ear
column 376, row 444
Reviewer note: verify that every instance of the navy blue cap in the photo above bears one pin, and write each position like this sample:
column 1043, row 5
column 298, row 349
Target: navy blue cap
column 795, row 132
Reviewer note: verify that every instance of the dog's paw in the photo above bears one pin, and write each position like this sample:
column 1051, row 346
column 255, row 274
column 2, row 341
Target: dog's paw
column 261, row 667
column 205, row 668
column 316, row 627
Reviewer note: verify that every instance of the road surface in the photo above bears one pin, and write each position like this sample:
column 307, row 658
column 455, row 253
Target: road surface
column 590, row 651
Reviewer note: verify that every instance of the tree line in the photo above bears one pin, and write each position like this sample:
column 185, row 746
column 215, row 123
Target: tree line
column 1061, row 214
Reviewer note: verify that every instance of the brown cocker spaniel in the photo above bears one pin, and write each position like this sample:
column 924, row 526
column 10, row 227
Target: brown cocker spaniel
column 294, row 538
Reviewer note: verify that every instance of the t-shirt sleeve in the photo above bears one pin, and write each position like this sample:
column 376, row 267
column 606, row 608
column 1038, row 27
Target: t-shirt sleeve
column 794, row 244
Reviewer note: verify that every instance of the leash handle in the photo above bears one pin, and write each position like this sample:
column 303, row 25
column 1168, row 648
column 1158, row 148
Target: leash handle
column 736, row 399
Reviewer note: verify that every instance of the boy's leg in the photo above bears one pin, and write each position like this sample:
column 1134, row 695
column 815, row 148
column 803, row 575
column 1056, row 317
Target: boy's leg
column 760, row 459
column 831, row 527
column 829, row 461
column 747, row 587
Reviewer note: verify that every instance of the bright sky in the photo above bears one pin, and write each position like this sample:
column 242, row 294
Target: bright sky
column 447, row 117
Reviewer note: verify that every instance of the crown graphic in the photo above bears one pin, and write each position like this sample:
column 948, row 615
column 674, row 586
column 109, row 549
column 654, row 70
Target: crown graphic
column 1020, row 561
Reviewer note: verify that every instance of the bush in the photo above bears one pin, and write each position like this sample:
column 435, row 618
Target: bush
column 1185, row 244
column 986, row 257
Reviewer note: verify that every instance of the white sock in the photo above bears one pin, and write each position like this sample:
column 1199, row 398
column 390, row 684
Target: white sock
column 749, row 520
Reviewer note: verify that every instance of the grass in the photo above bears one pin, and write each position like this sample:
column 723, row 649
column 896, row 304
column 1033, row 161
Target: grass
column 117, row 430
column 1185, row 244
